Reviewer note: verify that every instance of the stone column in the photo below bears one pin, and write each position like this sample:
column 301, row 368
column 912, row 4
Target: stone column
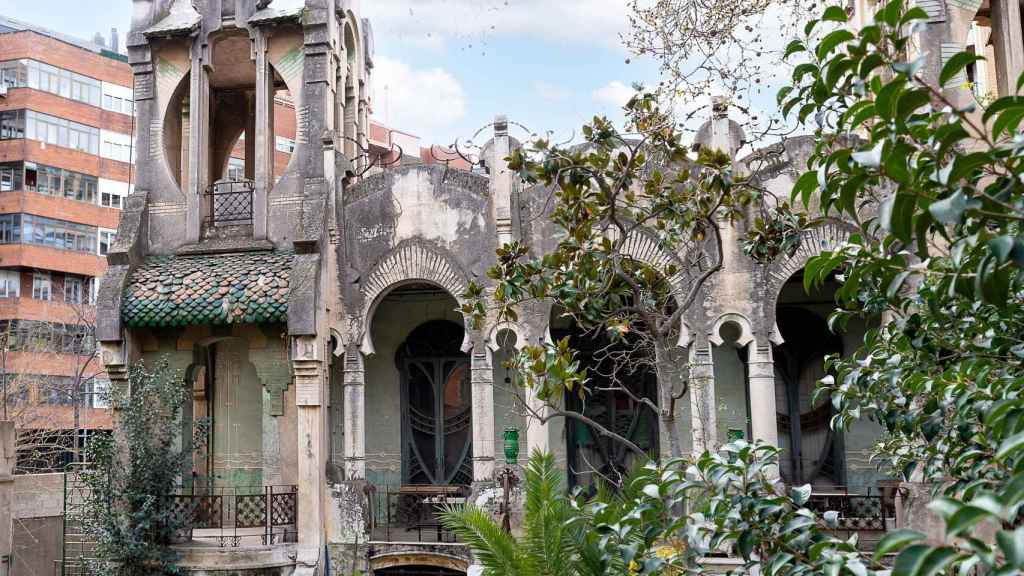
column 761, row 390
column 1008, row 41
column 264, row 137
column 354, row 382
column 501, row 181
column 703, row 412
column 198, row 141
column 7, row 462
column 309, row 391
column 537, row 434
column 482, row 376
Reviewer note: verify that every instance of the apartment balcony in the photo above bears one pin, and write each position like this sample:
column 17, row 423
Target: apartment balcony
column 231, row 517
column 411, row 513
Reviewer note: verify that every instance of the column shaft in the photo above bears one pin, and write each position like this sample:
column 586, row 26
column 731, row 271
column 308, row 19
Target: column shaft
column 1008, row 40
column 703, row 412
column 761, row 370
column 355, row 431
column 308, row 374
column 483, row 413
column 264, row 138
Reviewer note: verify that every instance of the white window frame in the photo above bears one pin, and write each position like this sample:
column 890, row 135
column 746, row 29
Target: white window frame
column 42, row 284
column 10, row 283
column 78, row 292
column 100, row 234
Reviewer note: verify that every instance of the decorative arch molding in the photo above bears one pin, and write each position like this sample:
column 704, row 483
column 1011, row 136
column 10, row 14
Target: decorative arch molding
column 412, row 261
column 643, row 247
column 425, row 558
column 513, row 327
column 812, row 243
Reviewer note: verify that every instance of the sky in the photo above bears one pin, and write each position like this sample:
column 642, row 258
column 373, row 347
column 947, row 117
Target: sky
column 444, row 68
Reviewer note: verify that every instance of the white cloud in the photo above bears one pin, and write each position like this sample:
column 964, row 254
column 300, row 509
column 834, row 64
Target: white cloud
column 551, row 92
column 614, row 94
column 421, row 101
column 471, row 23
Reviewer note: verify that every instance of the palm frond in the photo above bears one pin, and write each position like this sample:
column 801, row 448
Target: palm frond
column 495, row 549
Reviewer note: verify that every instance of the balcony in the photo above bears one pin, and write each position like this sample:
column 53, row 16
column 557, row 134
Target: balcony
column 868, row 515
column 410, row 513
column 230, row 203
column 236, row 516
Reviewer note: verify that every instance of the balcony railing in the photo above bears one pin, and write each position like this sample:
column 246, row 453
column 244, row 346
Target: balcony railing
column 856, row 512
column 410, row 513
column 230, row 203
column 233, row 516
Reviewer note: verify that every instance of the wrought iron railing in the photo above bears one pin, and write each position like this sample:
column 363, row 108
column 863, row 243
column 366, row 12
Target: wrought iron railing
column 856, row 512
column 230, row 202
column 410, row 513
column 236, row 515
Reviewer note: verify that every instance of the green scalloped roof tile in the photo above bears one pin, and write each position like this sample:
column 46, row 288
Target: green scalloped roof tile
column 217, row 289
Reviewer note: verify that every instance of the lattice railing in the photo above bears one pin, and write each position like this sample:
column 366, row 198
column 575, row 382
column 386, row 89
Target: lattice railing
column 231, row 516
column 230, row 202
column 409, row 513
column 856, row 512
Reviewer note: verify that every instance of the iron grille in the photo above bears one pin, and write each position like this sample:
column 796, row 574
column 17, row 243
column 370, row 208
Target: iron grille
column 230, row 202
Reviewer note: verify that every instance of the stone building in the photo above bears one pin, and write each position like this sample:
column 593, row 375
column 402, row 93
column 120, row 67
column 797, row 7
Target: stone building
column 313, row 309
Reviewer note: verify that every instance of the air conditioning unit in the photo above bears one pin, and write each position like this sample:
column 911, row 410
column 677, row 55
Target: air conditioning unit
column 3, row 90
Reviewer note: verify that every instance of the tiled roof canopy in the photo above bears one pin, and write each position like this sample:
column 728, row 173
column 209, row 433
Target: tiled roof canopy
column 248, row 287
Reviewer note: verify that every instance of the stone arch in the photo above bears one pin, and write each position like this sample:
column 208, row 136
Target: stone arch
column 643, row 246
column 514, row 327
column 401, row 558
column 812, row 243
column 411, row 261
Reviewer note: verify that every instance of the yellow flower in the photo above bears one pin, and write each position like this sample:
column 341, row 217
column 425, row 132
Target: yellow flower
column 634, row 567
column 664, row 552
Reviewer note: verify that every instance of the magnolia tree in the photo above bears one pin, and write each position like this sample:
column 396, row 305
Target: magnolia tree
column 609, row 194
column 934, row 193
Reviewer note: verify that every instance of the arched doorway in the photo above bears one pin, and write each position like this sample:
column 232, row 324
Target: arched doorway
column 437, row 425
column 811, row 451
column 591, row 456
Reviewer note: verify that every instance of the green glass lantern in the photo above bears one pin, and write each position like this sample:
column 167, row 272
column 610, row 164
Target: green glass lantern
column 511, row 446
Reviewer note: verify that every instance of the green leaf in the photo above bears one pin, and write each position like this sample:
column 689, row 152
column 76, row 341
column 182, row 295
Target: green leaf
column 1000, row 246
column 794, row 47
column 956, row 64
column 804, row 187
column 745, row 543
column 800, row 494
column 1011, row 445
column 965, row 518
column 1012, row 545
column 831, row 41
column 834, row 14
column 949, row 210
column 896, row 540
column 909, row 562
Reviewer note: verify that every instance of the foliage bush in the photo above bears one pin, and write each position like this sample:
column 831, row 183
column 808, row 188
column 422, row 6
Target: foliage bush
column 930, row 184
column 129, row 476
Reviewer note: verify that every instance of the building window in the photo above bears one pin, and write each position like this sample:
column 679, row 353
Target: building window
column 283, row 144
column 112, row 200
column 11, row 176
column 12, row 124
column 31, row 229
column 236, row 169
column 98, row 390
column 106, row 241
column 73, row 290
column 41, row 286
column 94, row 290
column 10, row 283
column 32, row 74
column 53, row 130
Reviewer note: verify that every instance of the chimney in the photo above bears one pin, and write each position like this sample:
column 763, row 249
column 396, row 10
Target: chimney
column 115, row 44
